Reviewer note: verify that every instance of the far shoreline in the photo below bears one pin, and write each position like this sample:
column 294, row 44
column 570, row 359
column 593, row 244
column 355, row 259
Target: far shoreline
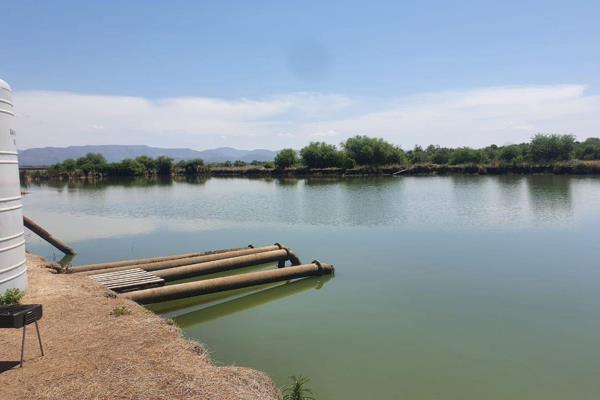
column 573, row 167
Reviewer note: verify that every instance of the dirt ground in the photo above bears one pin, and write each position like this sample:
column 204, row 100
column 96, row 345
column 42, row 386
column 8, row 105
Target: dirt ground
column 91, row 354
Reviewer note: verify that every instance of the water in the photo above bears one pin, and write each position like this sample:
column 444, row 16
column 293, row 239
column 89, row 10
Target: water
column 461, row 287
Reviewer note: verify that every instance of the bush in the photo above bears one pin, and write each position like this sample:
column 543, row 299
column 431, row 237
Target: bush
column 286, row 158
column 120, row 311
column 127, row 167
column 417, row 155
column 437, row 154
column 320, row 155
column 192, row 167
column 164, row 165
column 91, row 163
column 149, row 163
column 11, row 296
column 510, row 154
column 373, row 151
column 547, row 148
column 466, row 155
column 588, row 150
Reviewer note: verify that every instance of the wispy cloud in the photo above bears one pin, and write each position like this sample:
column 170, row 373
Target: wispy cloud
column 472, row 117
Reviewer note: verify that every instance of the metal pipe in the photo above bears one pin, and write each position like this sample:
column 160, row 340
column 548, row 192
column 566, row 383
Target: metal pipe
column 154, row 266
column 227, row 264
column 124, row 263
column 44, row 234
column 207, row 286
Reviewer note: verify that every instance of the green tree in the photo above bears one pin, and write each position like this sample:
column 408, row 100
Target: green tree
column 91, row 163
column 127, row 167
column 319, row 155
column 286, row 158
column 588, row 150
column 164, row 165
column 511, row 153
column 466, row 155
column 193, row 167
column 69, row 165
column 149, row 164
column 417, row 155
column 373, row 151
column 547, row 148
column 437, row 154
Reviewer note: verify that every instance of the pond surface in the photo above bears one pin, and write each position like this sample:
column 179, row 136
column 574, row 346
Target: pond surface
column 460, row 287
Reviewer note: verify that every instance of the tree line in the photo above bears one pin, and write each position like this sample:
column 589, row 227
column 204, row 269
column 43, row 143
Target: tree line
column 95, row 163
column 356, row 151
column 368, row 151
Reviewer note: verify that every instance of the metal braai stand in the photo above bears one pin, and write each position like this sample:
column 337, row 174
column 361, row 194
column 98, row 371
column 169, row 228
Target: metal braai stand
column 19, row 316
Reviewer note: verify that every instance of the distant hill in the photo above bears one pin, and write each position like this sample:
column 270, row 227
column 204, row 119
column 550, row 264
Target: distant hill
column 52, row 155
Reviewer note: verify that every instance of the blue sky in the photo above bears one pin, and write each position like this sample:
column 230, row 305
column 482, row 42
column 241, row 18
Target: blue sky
column 351, row 61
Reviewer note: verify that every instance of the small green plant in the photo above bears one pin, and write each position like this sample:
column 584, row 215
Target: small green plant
column 11, row 296
column 296, row 390
column 120, row 311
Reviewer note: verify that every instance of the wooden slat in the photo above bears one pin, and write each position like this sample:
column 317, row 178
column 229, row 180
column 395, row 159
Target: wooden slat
column 117, row 273
column 112, row 278
column 131, row 278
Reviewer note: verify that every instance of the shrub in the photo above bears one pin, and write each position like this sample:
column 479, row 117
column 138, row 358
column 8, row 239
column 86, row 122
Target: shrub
column 286, row 158
column 510, row 154
column 164, row 165
column 296, row 390
column 91, row 163
column 11, row 296
column 588, row 150
column 546, row 148
column 120, row 311
column 192, row 167
column 437, row 154
column 417, row 155
column 149, row 163
column 466, row 155
column 127, row 167
column 320, row 155
column 373, row 151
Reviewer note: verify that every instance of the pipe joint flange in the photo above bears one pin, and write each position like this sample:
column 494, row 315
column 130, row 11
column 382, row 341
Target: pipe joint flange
column 319, row 267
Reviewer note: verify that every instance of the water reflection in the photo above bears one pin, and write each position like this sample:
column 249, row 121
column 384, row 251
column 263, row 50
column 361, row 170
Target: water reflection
column 550, row 197
column 185, row 319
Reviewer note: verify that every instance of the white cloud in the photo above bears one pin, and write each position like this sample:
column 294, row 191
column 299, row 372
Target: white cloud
column 473, row 117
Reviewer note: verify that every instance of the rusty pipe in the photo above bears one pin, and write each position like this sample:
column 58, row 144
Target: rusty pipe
column 207, row 286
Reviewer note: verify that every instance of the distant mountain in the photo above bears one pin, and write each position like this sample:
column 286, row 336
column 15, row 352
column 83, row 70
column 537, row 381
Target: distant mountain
column 52, row 155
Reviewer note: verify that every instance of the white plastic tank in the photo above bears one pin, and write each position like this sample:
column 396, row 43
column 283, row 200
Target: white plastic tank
column 13, row 270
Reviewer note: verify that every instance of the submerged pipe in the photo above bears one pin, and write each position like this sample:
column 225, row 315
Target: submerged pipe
column 154, row 266
column 114, row 264
column 227, row 264
column 47, row 236
column 207, row 286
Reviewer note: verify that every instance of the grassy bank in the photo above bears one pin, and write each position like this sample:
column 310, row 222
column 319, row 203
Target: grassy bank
column 99, row 346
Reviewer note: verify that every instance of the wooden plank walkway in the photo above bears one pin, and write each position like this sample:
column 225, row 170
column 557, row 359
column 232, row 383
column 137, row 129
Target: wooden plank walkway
column 135, row 278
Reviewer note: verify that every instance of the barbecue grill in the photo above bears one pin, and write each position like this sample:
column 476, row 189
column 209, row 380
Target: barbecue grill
column 19, row 316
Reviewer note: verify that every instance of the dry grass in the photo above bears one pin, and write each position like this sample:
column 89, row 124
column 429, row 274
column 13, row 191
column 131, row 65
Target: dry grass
column 93, row 355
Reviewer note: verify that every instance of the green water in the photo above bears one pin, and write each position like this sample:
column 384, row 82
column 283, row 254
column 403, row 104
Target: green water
column 461, row 287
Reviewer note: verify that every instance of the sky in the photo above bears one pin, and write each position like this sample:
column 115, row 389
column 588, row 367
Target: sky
column 277, row 74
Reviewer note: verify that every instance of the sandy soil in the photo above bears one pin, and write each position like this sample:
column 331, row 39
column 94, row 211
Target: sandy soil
column 91, row 354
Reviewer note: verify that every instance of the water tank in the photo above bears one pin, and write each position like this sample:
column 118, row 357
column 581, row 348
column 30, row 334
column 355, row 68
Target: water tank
column 12, row 238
